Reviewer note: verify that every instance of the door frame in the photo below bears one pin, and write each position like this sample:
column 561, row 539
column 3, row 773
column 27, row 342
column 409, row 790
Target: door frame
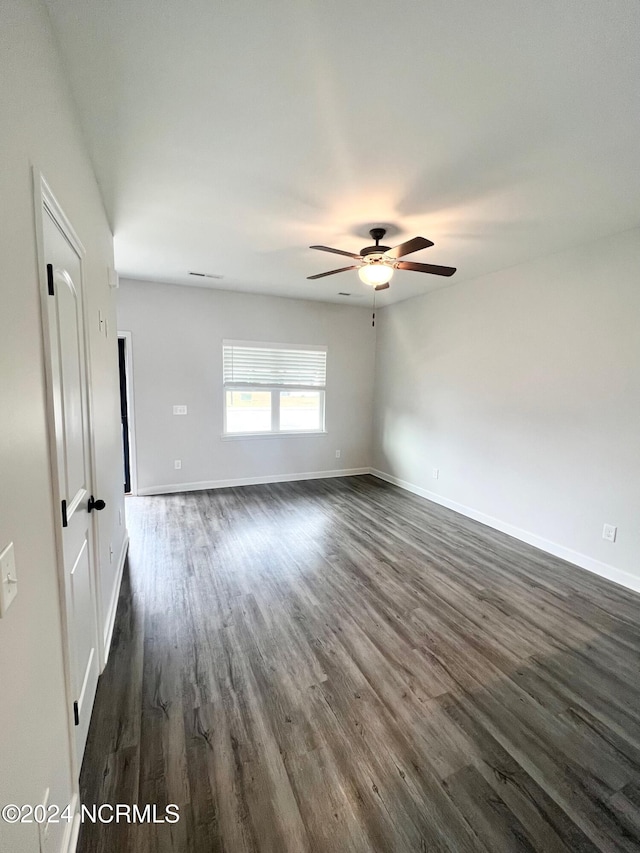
column 131, row 414
column 44, row 198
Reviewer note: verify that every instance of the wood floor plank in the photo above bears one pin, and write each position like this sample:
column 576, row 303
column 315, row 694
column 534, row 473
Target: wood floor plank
column 546, row 823
column 338, row 665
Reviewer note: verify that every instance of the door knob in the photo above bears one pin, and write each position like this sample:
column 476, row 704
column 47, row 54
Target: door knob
column 95, row 504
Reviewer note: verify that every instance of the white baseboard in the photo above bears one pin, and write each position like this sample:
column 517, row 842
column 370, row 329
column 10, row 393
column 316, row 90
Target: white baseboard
column 604, row 570
column 249, row 481
column 72, row 831
column 113, row 606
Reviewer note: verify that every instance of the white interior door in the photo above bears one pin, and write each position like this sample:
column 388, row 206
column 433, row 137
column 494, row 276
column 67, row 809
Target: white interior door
column 72, row 471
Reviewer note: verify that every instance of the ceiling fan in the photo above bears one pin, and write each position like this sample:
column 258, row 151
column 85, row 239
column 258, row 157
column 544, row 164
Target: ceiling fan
column 377, row 263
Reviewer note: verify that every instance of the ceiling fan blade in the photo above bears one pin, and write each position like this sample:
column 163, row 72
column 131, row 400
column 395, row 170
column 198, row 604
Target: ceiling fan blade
column 381, row 286
column 331, row 272
column 335, row 251
column 407, row 248
column 434, row 269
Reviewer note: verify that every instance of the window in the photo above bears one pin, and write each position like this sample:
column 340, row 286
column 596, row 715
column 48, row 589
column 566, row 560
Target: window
column 273, row 388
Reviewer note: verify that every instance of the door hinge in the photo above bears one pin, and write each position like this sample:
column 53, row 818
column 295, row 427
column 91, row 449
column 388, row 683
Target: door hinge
column 76, row 715
column 65, row 523
column 50, row 279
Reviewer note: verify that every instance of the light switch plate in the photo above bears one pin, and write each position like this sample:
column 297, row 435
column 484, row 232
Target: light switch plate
column 8, row 579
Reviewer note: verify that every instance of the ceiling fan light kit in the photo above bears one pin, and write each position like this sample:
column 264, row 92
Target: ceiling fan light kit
column 377, row 262
column 375, row 272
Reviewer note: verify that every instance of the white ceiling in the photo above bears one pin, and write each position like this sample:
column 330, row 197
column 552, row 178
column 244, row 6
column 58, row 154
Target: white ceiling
column 229, row 136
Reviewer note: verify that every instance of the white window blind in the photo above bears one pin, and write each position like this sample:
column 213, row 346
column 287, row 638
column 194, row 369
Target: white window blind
column 273, row 365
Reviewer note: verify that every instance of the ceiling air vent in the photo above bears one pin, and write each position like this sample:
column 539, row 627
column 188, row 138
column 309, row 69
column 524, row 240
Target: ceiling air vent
column 205, row 275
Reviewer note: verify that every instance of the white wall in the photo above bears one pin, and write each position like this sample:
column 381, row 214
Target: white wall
column 38, row 127
column 523, row 388
column 177, row 335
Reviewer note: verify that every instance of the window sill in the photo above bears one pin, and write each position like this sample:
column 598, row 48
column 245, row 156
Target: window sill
column 300, row 434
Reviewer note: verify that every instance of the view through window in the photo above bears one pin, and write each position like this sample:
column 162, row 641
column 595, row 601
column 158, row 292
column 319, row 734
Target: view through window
column 273, row 388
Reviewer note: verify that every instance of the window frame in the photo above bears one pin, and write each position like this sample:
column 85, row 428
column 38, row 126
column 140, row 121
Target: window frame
column 275, row 391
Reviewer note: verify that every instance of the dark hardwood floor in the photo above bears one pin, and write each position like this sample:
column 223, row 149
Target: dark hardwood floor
column 337, row 665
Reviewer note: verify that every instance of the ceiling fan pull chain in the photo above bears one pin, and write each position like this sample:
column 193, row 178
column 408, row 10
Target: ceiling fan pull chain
column 373, row 319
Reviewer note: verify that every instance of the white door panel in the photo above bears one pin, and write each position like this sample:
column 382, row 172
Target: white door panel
column 84, row 663
column 73, row 471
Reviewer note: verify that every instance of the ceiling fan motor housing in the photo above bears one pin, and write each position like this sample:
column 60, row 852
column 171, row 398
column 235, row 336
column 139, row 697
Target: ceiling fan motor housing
column 376, row 234
column 374, row 250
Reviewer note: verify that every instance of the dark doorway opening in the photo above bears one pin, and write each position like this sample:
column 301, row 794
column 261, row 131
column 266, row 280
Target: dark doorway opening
column 124, row 413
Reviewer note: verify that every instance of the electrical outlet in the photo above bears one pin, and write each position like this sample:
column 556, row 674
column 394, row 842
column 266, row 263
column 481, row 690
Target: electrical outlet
column 179, row 410
column 177, row 464
column 435, row 473
column 609, row 532
column 338, row 452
